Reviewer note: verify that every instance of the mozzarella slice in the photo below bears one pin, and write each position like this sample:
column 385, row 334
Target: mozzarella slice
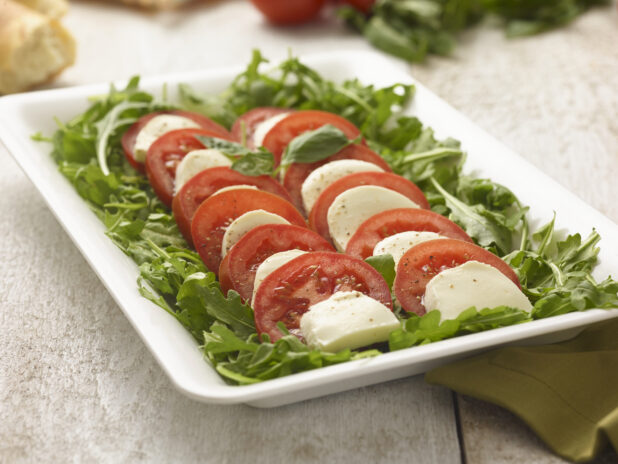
column 322, row 177
column 195, row 162
column 472, row 284
column 397, row 245
column 235, row 187
column 271, row 264
column 354, row 206
column 155, row 128
column 264, row 128
column 347, row 320
column 244, row 223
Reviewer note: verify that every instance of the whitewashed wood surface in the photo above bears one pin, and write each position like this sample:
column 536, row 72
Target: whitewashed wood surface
column 77, row 385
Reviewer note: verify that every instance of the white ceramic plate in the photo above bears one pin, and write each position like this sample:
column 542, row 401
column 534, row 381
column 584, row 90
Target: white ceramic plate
column 175, row 349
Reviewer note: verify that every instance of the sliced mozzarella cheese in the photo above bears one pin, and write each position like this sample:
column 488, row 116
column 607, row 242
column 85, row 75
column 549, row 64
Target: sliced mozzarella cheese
column 347, row 320
column 354, row 206
column 272, row 263
column 264, row 128
column 196, row 161
column 322, row 177
column 244, row 223
column 155, row 128
column 472, row 284
column 397, row 245
column 235, row 187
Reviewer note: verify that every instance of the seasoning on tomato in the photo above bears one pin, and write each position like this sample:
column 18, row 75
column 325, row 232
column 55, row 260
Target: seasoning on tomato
column 216, row 214
column 290, row 291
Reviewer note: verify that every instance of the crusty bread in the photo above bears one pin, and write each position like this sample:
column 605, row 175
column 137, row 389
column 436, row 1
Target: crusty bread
column 52, row 8
column 33, row 47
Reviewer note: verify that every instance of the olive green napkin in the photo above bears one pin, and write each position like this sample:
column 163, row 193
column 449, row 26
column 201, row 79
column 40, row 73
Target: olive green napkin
column 566, row 392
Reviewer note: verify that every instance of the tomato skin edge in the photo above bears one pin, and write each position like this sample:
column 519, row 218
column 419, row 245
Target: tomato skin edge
column 265, row 241
column 128, row 138
column 414, row 271
column 374, row 229
column 270, row 307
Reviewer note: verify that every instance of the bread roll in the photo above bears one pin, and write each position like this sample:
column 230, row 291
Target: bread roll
column 52, row 8
column 33, row 47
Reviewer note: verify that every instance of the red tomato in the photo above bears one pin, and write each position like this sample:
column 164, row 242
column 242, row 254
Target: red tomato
column 317, row 217
column 129, row 137
column 302, row 121
column 260, row 243
column 224, row 274
column 296, row 173
column 165, row 154
column 217, row 212
column 288, row 292
column 423, row 261
column 364, row 6
column 395, row 221
column 289, row 11
column 203, row 185
column 251, row 119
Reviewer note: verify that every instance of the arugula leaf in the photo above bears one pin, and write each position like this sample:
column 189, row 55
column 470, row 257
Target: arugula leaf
column 385, row 265
column 245, row 361
column 315, row 145
column 420, row 330
column 485, row 228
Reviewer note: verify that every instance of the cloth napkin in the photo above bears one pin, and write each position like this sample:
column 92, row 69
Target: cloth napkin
column 566, row 392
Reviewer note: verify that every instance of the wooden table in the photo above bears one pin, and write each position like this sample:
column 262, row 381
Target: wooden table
column 76, row 383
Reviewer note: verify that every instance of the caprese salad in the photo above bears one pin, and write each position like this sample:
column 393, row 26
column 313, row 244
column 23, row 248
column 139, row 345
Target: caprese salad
column 309, row 230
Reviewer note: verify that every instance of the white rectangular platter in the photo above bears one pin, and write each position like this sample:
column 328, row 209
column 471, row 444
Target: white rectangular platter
column 175, row 349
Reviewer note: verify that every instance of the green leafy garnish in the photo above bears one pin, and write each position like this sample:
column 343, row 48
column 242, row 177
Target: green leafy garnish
column 430, row 328
column 412, row 29
column 385, row 265
column 248, row 162
column 315, row 145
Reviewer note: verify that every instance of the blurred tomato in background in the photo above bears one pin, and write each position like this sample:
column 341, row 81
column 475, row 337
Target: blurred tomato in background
column 289, row 11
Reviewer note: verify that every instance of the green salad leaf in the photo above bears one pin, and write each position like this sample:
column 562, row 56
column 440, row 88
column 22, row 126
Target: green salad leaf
column 412, row 29
column 385, row 265
column 315, row 145
column 556, row 274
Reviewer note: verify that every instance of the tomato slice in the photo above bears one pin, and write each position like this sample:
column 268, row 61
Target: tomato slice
column 318, row 214
column 224, row 274
column 165, row 154
column 260, row 243
column 288, row 292
column 289, row 11
column 395, row 221
column 129, row 137
column 204, row 184
column 425, row 260
column 296, row 173
column 217, row 212
column 302, row 121
column 251, row 119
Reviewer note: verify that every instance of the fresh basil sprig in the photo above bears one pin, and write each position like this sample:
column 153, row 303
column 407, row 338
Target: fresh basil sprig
column 250, row 163
column 315, row 145
column 385, row 265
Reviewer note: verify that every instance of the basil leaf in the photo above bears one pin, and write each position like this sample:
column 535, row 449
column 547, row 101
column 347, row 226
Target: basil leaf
column 315, row 145
column 385, row 265
column 225, row 146
column 257, row 163
column 250, row 163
